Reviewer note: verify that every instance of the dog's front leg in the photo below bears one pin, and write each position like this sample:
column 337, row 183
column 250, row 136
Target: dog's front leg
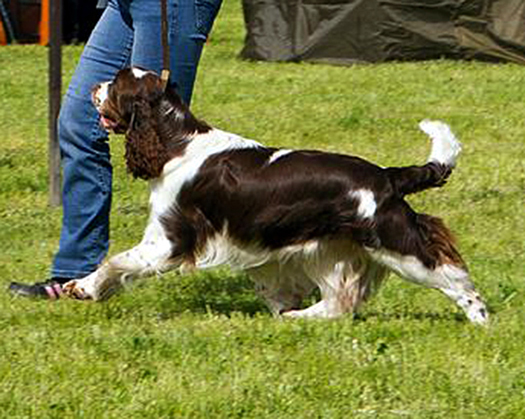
column 96, row 286
column 151, row 256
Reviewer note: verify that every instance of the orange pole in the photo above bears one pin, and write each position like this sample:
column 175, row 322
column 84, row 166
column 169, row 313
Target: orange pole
column 44, row 22
column 3, row 36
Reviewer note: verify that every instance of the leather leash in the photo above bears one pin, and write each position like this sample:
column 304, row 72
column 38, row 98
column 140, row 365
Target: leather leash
column 165, row 74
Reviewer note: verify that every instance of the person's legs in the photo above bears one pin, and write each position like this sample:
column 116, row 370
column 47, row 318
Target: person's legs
column 127, row 33
column 85, row 157
column 118, row 40
column 85, row 152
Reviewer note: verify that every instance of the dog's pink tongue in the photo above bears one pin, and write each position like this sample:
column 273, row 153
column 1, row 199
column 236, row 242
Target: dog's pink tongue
column 107, row 123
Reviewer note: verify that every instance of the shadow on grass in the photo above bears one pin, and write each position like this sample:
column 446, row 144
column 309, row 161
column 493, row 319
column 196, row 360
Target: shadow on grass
column 224, row 293
column 203, row 292
column 455, row 317
column 215, row 292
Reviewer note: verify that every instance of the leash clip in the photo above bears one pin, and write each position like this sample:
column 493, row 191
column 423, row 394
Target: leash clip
column 164, row 78
column 165, row 75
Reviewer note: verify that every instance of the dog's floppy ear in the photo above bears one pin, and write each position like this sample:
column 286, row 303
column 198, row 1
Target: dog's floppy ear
column 145, row 152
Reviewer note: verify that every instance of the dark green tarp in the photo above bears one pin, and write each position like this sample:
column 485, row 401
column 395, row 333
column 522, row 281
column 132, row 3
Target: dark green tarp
column 347, row 32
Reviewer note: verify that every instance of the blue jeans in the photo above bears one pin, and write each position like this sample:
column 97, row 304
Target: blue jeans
column 128, row 33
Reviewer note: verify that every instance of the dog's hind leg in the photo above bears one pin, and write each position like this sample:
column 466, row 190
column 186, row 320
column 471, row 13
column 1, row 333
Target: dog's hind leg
column 421, row 249
column 151, row 256
column 346, row 286
column 451, row 279
column 282, row 286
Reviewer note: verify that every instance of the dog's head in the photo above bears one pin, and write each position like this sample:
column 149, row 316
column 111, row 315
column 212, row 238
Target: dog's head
column 157, row 124
column 132, row 92
column 131, row 104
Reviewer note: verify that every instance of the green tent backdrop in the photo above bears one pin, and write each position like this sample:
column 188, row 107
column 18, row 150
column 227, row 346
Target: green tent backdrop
column 369, row 31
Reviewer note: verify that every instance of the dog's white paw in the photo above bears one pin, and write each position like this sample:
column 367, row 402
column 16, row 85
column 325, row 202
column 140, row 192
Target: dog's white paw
column 477, row 313
column 73, row 289
column 291, row 314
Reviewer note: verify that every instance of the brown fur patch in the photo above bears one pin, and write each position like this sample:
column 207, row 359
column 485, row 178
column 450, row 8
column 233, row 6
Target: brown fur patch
column 439, row 241
column 146, row 154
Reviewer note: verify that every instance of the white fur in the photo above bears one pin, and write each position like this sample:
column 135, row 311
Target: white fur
column 138, row 73
column 345, row 275
column 221, row 250
column 101, row 94
column 309, row 249
column 278, row 154
column 150, row 256
column 453, row 281
column 445, row 146
column 367, row 203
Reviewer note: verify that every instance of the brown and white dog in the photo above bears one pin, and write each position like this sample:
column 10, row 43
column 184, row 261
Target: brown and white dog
column 294, row 220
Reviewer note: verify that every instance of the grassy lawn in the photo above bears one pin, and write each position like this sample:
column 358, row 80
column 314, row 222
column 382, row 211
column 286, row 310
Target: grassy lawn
column 203, row 345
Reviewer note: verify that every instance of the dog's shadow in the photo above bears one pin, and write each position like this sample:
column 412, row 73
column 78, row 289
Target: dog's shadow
column 451, row 317
column 216, row 292
column 225, row 293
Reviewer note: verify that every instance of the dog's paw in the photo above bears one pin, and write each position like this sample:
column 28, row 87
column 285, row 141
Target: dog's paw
column 289, row 314
column 72, row 289
column 477, row 313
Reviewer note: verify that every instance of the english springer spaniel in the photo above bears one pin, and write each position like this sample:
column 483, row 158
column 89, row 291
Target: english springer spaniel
column 293, row 220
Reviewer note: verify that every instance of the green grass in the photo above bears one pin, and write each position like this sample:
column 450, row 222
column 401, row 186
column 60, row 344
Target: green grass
column 203, row 345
